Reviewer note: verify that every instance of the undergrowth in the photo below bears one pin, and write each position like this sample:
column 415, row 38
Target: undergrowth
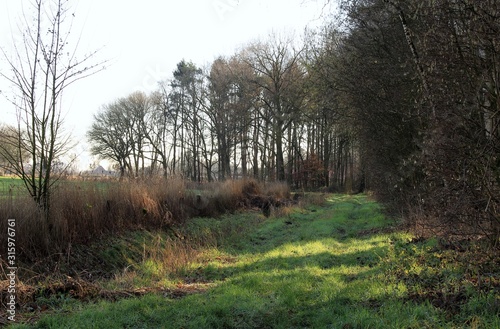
column 84, row 212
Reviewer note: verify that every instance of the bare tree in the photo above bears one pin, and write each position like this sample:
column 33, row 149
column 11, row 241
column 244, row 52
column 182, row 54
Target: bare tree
column 277, row 72
column 185, row 100
column 42, row 66
column 121, row 132
column 231, row 103
column 157, row 128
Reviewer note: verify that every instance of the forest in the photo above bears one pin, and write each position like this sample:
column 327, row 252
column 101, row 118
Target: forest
column 400, row 98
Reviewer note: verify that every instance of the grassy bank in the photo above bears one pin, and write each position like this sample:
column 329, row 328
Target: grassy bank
column 336, row 265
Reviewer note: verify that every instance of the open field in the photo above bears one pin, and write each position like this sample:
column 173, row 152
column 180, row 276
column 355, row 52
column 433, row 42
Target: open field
column 13, row 187
column 340, row 264
column 10, row 186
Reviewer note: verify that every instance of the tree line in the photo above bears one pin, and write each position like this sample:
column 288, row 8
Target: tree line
column 253, row 114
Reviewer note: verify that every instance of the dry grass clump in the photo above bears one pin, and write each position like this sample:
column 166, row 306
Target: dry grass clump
column 222, row 197
column 316, row 199
column 234, row 194
column 278, row 190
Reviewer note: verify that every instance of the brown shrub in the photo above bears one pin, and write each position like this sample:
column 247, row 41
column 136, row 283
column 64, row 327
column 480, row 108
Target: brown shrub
column 249, row 187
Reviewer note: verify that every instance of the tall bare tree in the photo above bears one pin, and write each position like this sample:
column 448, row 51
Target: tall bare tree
column 185, row 101
column 157, row 129
column 42, row 65
column 277, row 72
column 231, row 103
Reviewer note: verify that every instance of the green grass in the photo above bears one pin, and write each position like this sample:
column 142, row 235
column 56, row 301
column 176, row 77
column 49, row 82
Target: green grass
column 331, row 266
column 10, row 186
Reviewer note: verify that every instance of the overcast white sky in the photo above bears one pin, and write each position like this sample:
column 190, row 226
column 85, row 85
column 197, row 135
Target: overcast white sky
column 146, row 39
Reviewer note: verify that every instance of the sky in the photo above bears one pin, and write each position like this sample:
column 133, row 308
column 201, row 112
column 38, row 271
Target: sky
column 144, row 40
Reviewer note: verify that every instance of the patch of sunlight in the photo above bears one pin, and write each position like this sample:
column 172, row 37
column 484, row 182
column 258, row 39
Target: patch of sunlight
column 302, row 248
column 152, row 267
column 213, row 255
column 338, row 198
column 351, row 273
column 321, row 254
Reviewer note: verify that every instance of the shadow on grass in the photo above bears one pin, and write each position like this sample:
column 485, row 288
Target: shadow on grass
column 311, row 269
column 360, row 261
column 317, row 291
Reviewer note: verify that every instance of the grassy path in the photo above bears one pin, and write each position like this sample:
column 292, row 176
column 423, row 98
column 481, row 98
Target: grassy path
column 328, row 266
